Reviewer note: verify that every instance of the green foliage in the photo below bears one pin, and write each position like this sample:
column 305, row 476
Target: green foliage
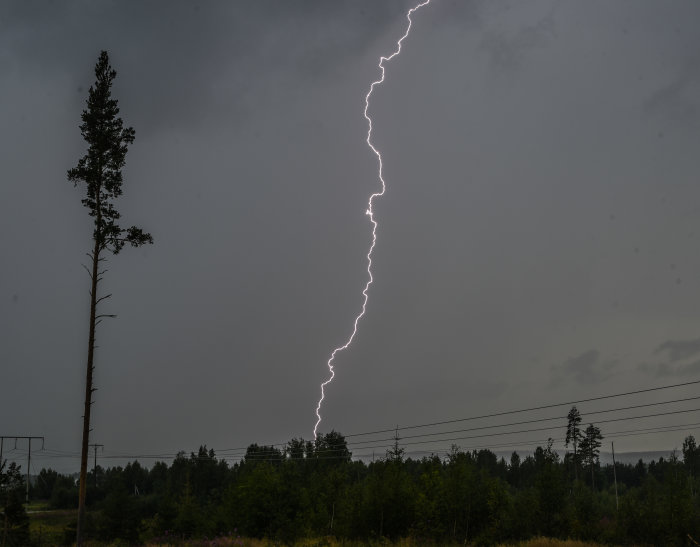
column 590, row 449
column 45, row 484
column 15, row 522
column 64, row 494
column 691, row 460
column 574, row 436
column 119, row 518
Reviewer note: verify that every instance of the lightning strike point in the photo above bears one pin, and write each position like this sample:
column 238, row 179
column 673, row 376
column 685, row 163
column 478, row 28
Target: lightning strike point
column 369, row 212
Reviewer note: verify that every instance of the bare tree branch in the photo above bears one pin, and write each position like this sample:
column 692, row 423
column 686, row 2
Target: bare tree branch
column 103, row 298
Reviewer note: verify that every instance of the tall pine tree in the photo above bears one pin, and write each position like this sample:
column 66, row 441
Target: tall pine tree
column 574, row 435
column 590, row 449
column 100, row 170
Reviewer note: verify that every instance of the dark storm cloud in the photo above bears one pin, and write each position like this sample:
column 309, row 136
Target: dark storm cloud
column 198, row 63
column 587, row 369
column 196, row 60
column 678, row 350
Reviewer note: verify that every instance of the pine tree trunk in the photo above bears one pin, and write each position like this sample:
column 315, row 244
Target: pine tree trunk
column 80, row 532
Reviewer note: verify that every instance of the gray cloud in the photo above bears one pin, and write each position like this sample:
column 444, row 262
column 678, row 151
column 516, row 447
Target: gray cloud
column 679, row 349
column 678, row 100
column 507, row 49
column 586, row 368
column 662, row 370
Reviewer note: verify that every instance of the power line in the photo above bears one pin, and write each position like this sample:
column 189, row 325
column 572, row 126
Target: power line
column 268, row 450
column 530, row 409
column 538, row 420
column 57, row 453
column 544, row 428
column 363, row 444
column 512, row 444
column 279, row 456
column 496, row 414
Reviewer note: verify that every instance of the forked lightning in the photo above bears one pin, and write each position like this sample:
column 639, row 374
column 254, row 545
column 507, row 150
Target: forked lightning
column 369, row 212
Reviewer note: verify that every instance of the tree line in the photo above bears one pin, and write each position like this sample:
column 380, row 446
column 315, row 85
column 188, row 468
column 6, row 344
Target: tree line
column 315, row 488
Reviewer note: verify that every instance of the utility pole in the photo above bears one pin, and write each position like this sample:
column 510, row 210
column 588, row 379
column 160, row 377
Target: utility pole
column 94, row 467
column 29, row 461
column 29, row 452
column 617, row 504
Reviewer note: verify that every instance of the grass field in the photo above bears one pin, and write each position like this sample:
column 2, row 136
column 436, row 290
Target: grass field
column 408, row 542
column 48, row 528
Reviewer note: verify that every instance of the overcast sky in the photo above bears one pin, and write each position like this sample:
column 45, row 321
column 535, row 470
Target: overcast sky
column 539, row 240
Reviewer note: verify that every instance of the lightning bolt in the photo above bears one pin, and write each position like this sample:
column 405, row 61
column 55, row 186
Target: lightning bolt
column 369, row 212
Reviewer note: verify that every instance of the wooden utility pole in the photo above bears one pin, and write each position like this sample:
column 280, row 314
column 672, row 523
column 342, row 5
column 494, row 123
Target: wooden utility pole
column 617, row 504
